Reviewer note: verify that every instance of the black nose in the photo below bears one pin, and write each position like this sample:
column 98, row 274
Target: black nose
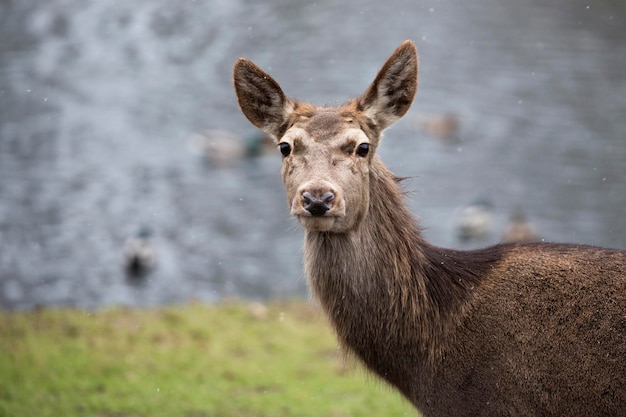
column 318, row 206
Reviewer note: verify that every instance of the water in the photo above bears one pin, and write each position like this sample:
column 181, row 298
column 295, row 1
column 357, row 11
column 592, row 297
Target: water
column 99, row 100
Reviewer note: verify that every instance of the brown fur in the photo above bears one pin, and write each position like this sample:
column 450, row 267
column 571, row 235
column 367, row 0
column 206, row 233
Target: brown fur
column 511, row 330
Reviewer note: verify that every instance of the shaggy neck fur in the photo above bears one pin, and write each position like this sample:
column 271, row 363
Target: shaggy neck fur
column 390, row 296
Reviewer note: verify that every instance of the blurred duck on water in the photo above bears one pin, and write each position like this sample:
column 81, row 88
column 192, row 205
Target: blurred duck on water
column 444, row 126
column 475, row 220
column 140, row 254
column 519, row 229
column 221, row 148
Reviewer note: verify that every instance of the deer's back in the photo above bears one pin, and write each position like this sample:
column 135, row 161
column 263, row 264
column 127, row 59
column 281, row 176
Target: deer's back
column 545, row 334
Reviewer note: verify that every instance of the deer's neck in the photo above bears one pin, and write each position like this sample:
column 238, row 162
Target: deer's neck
column 380, row 284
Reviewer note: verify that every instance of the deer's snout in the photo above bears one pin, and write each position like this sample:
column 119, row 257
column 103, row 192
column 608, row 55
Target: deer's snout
column 318, row 202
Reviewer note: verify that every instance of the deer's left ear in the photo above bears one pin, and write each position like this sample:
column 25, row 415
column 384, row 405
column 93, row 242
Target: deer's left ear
column 391, row 93
column 261, row 99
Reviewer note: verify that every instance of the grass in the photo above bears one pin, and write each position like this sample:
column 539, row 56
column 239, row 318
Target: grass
column 227, row 360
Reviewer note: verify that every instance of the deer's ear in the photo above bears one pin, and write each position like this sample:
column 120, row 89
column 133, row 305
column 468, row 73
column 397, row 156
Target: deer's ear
column 261, row 99
column 391, row 93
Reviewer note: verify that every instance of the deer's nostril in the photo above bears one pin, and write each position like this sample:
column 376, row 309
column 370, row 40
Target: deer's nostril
column 328, row 199
column 318, row 206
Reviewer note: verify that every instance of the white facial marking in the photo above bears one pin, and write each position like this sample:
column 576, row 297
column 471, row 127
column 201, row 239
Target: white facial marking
column 292, row 133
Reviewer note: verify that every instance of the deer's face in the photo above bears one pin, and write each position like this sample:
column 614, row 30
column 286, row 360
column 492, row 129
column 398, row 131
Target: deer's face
column 325, row 170
column 327, row 151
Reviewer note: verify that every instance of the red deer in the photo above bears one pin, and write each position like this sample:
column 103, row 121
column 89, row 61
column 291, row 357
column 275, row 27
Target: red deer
column 532, row 329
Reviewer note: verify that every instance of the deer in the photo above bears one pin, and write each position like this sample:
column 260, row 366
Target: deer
column 516, row 329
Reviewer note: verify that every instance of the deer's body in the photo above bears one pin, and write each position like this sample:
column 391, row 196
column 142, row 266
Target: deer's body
column 511, row 330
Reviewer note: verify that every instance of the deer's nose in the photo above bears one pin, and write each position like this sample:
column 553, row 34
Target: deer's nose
column 317, row 204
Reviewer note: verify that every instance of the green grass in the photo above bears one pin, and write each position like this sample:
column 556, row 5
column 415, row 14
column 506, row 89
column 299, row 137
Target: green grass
column 186, row 361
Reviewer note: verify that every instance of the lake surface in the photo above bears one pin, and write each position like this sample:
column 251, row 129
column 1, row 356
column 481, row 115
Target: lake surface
column 100, row 102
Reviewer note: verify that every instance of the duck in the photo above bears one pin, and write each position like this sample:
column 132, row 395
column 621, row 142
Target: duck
column 475, row 220
column 140, row 253
column 444, row 126
column 222, row 148
column 519, row 229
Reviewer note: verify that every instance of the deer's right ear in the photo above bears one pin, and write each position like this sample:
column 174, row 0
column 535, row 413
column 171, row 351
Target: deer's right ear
column 260, row 98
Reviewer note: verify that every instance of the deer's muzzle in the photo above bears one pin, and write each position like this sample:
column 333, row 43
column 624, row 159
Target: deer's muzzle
column 317, row 205
column 320, row 200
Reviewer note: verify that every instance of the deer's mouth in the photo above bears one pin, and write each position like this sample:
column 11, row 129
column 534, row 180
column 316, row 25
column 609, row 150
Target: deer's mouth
column 317, row 223
column 315, row 218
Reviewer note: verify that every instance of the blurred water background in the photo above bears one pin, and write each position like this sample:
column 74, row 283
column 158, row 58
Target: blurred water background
column 101, row 103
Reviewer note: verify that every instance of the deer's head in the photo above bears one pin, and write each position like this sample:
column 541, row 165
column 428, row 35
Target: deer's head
column 328, row 151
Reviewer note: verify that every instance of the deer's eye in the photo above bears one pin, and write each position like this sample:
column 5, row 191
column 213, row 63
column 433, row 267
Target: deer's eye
column 285, row 148
column 363, row 149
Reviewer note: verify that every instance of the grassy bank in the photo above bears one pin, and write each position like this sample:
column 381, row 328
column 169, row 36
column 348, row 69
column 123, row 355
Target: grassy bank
column 189, row 361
